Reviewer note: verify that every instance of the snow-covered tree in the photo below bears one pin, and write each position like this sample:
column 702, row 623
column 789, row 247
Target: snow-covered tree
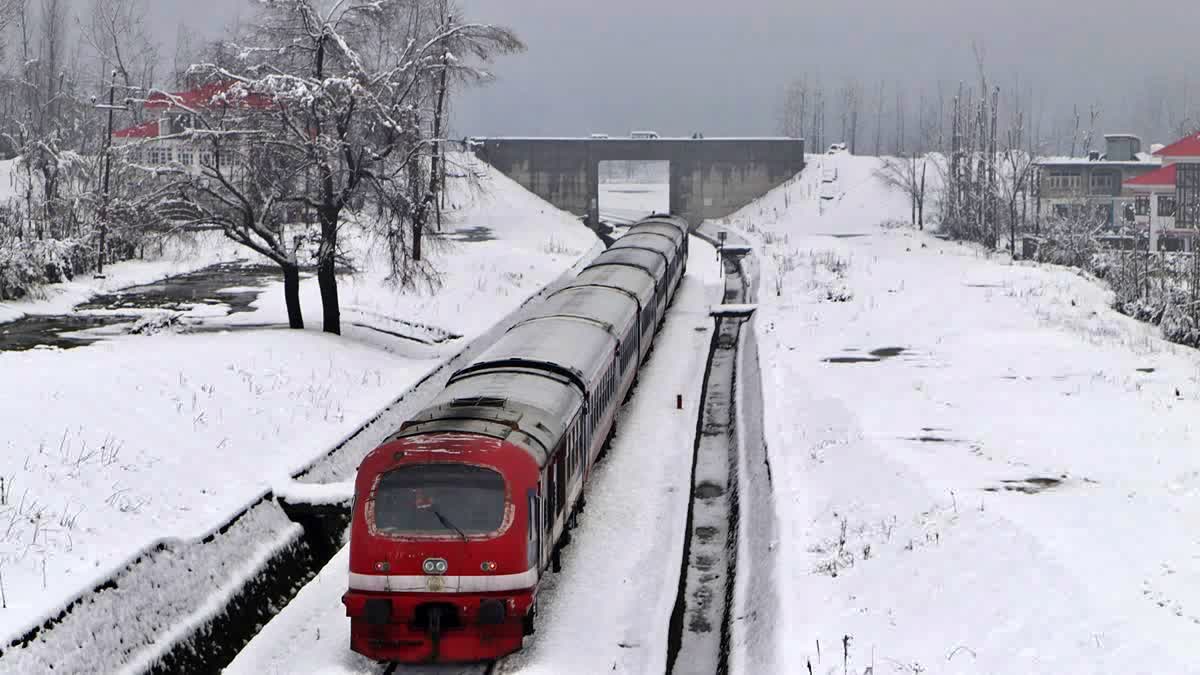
column 328, row 108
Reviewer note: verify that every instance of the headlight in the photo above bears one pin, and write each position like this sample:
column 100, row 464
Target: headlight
column 434, row 566
column 440, row 566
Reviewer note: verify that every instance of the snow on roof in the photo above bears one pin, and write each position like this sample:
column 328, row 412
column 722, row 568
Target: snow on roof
column 1189, row 146
column 143, row 130
column 1123, row 136
column 1081, row 161
column 1157, row 178
column 483, row 139
column 205, row 96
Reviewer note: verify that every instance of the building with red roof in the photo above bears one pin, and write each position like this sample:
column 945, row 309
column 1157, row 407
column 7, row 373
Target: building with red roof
column 1167, row 200
column 174, row 113
column 1185, row 150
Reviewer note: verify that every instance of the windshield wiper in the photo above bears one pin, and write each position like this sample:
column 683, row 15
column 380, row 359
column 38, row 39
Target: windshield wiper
column 446, row 522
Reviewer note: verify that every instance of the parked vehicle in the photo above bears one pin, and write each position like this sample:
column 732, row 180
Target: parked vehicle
column 599, row 136
column 643, row 135
column 835, row 148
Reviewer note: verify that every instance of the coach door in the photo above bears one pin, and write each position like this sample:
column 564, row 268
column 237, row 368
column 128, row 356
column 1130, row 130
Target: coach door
column 560, row 481
column 535, row 531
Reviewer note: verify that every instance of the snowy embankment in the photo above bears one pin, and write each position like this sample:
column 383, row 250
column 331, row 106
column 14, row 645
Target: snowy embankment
column 143, row 442
column 979, row 467
column 608, row 610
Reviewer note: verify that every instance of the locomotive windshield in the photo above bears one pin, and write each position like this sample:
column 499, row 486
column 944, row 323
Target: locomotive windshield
column 439, row 499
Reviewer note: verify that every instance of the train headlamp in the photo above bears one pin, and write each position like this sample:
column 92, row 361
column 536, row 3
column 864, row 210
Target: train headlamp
column 434, row 566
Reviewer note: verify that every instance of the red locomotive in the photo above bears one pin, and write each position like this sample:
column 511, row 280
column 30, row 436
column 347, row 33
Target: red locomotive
column 458, row 514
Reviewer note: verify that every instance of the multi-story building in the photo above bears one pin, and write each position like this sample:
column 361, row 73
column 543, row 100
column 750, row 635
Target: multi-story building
column 1094, row 187
column 170, row 114
column 1167, row 200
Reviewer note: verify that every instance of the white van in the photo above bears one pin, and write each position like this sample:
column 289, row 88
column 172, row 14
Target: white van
column 644, row 135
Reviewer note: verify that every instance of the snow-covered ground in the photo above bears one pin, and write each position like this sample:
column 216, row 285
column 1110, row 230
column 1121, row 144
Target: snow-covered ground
column 979, row 466
column 136, row 439
column 608, row 610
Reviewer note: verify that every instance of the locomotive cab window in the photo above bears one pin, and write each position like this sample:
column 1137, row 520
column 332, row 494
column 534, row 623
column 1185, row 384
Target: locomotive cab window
column 438, row 500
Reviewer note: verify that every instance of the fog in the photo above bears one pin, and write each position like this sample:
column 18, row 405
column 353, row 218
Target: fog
column 678, row 66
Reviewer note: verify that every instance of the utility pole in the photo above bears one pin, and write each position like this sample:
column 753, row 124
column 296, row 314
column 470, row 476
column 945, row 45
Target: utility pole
column 107, row 171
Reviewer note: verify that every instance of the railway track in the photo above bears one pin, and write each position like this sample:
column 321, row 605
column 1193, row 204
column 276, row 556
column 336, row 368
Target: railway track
column 700, row 630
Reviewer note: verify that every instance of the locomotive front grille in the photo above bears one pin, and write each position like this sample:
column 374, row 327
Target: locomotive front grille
column 443, row 615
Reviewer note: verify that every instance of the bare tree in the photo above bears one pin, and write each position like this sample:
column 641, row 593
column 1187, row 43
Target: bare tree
column 907, row 174
column 122, row 42
column 879, row 120
column 851, row 101
column 1018, row 168
column 792, row 114
column 818, row 112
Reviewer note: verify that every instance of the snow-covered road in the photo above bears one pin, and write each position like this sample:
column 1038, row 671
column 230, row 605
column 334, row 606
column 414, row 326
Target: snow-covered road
column 980, row 467
column 608, row 609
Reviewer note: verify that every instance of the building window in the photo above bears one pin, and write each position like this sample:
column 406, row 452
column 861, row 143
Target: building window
column 206, row 158
column 1141, row 205
column 186, row 156
column 1059, row 179
column 1104, row 213
column 1187, row 193
column 1101, row 182
column 1062, row 211
column 1166, row 206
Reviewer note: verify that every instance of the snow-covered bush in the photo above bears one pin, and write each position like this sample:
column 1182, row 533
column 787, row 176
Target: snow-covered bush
column 1067, row 242
column 25, row 265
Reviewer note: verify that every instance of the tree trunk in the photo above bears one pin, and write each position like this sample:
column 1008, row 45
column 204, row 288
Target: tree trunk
column 921, row 201
column 417, row 226
column 291, row 294
column 326, row 278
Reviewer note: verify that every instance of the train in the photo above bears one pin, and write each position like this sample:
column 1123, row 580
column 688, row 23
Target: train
column 459, row 515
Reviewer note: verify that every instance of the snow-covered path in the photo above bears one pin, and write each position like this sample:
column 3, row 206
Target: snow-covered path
column 608, row 609
column 980, row 467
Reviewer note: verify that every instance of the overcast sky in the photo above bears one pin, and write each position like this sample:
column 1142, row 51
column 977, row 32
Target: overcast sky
column 718, row 66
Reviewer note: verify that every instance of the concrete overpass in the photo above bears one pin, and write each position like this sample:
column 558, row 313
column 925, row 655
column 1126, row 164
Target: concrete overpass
column 710, row 177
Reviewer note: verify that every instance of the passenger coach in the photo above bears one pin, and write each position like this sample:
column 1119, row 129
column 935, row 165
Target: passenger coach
column 457, row 515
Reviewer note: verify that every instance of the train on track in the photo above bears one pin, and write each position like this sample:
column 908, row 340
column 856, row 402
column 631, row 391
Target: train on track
column 458, row 515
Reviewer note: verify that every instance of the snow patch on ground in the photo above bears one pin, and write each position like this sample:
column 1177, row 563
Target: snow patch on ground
column 980, row 466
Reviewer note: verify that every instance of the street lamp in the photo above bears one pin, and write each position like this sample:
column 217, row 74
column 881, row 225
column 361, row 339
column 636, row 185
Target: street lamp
column 110, row 107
